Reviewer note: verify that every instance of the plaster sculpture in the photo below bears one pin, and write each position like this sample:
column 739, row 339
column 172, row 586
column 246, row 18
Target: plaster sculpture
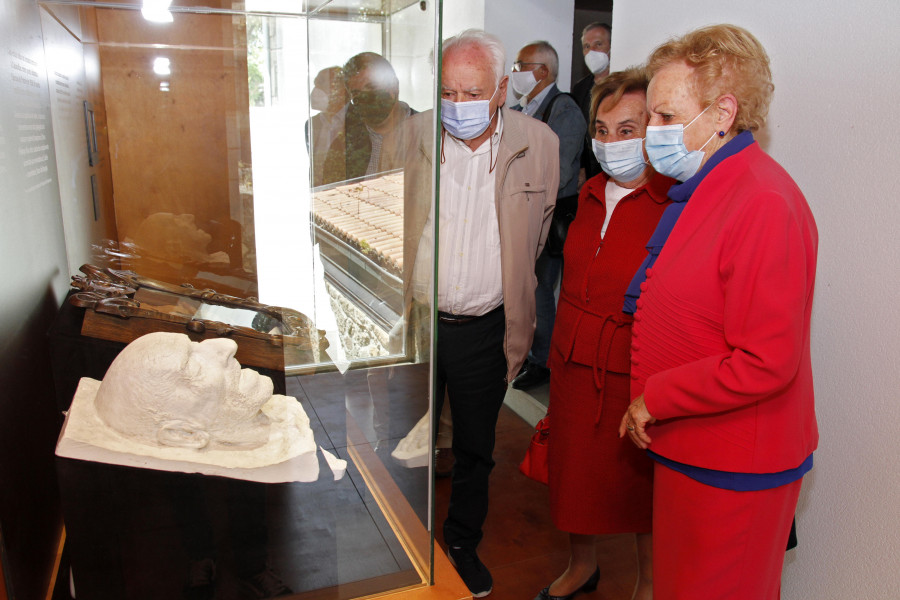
column 172, row 404
column 412, row 450
column 337, row 465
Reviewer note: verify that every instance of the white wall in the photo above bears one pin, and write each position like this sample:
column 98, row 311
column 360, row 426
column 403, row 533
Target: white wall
column 461, row 14
column 65, row 64
column 35, row 280
column 833, row 126
column 411, row 52
column 516, row 23
column 32, row 243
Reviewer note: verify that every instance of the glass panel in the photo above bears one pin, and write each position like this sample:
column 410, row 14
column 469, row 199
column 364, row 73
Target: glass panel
column 251, row 166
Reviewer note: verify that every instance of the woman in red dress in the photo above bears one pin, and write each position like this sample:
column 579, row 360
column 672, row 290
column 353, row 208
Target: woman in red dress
column 722, row 374
column 598, row 484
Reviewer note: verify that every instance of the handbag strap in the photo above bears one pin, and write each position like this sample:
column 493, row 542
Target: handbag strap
column 546, row 115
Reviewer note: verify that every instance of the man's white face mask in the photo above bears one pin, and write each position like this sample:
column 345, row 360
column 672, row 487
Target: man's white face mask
column 522, row 82
column 596, row 61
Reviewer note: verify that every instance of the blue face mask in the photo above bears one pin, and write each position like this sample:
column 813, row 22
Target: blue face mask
column 466, row 120
column 667, row 152
column 623, row 161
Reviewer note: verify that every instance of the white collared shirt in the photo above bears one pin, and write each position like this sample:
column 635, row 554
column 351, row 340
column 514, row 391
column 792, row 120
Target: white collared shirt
column 532, row 107
column 469, row 273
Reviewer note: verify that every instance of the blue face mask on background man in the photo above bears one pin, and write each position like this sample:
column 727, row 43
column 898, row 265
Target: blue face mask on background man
column 667, row 152
column 466, row 120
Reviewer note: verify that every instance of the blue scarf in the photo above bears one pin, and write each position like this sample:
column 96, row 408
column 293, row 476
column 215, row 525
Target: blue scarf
column 679, row 193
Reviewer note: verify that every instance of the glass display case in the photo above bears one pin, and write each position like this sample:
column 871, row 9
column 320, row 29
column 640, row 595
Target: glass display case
column 236, row 169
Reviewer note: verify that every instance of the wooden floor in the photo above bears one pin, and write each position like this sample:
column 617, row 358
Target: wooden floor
column 521, row 547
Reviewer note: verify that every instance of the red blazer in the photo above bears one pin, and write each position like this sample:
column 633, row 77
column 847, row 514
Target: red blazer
column 720, row 344
column 590, row 327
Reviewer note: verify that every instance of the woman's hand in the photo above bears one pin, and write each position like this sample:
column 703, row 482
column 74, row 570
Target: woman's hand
column 635, row 422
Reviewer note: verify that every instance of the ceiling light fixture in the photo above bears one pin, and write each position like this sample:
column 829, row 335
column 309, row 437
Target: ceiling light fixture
column 162, row 66
column 157, row 11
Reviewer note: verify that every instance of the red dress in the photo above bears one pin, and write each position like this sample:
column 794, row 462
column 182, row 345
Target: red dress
column 721, row 352
column 599, row 484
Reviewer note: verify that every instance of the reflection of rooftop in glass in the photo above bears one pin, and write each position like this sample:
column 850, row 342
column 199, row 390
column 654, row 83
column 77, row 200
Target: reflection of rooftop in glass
column 368, row 215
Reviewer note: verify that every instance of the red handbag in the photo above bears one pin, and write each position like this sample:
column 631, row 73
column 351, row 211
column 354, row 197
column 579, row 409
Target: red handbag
column 534, row 465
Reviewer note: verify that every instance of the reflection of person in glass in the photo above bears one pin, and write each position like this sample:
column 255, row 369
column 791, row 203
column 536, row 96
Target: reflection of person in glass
column 373, row 118
column 329, row 97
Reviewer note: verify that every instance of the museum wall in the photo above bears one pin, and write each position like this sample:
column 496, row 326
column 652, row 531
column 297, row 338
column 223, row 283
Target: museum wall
column 832, row 126
column 35, row 279
column 518, row 22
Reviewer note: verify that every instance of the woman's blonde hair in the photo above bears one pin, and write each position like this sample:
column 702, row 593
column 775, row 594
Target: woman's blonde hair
column 614, row 86
column 726, row 59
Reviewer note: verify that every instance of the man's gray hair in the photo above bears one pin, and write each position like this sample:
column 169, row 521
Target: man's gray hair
column 484, row 40
column 547, row 54
column 596, row 25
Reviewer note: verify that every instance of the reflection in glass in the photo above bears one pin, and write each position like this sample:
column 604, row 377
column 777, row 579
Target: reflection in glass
column 219, row 185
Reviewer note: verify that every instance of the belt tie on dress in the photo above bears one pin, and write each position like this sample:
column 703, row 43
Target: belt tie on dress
column 617, row 321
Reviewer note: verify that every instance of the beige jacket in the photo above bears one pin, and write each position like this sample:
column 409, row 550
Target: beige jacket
column 527, row 180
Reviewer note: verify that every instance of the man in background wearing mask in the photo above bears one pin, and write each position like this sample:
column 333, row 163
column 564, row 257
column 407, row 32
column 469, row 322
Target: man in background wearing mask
column 329, row 97
column 373, row 118
column 534, row 82
column 595, row 44
column 499, row 172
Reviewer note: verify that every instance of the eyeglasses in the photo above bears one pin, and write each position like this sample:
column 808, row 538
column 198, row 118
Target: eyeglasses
column 517, row 66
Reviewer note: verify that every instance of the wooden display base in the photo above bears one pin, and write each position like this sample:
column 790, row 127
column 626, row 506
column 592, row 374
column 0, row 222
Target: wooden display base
column 252, row 352
column 121, row 306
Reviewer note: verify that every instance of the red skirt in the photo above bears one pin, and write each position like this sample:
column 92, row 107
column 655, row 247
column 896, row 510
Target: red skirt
column 599, row 484
column 718, row 544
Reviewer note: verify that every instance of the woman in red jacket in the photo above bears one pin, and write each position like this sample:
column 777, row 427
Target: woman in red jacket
column 598, row 483
column 722, row 377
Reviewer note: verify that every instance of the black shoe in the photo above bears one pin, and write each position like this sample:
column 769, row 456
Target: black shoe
column 589, row 586
column 201, row 580
column 533, row 376
column 264, row 585
column 472, row 571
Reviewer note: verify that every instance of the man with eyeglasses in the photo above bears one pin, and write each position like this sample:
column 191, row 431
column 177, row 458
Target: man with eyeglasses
column 533, row 80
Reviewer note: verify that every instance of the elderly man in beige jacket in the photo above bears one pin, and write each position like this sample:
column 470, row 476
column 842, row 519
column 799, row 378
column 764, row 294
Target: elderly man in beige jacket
column 499, row 172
